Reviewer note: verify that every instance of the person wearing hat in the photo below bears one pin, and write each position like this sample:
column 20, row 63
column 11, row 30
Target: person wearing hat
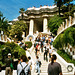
column 8, row 61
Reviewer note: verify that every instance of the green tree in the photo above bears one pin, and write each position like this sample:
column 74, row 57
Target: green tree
column 4, row 26
column 58, row 42
column 17, row 29
column 54, row 24
column 59, row 4
column 22, row 11
column 68, row 10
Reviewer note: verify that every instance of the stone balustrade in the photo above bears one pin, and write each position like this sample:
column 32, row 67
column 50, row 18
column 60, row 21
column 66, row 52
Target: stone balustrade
column 65, row 65
column 66, row 24
column 70, row 50
column 3, row 38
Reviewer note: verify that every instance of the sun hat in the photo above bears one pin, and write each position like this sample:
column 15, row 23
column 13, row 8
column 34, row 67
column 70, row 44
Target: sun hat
column 9, row 54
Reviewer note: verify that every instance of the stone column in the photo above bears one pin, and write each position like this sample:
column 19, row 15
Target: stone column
column 74, row 18
column 66, row 23
column 69, row 20
column 0, row 37
column 63, row 25
column 45, row 21
column 31, row 27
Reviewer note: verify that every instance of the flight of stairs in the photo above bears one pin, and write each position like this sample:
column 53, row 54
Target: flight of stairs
column 43, row 68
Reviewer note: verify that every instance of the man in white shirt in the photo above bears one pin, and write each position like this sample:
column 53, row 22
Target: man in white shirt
column 23, row 63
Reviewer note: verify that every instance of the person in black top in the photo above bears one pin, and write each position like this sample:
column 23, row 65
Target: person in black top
column 54, row 68
column 8, row 62
column 0, row 68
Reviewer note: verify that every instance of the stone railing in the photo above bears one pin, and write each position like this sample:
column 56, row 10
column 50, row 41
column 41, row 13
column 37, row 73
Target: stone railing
column 67, row 68
column 66, row 24
column 70, row 50
column 3, row 38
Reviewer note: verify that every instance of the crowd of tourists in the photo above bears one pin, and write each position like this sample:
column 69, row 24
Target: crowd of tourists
column 23, row 66
column 42, row 44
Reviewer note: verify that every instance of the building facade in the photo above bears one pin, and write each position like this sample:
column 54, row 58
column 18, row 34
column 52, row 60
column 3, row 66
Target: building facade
column 37, row 18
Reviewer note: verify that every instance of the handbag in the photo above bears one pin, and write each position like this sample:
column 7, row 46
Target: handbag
column 11, row 66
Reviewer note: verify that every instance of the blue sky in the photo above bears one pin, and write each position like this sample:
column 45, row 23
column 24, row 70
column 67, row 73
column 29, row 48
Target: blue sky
column 10, row 8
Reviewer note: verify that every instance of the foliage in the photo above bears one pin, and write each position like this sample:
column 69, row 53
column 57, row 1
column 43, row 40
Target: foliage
column 65, row 56
column 29, row 44
column 60, row 3
column 54, row 24
column 67, row 1
column 63, row 39
column 12, row 48
column 17, row 29
column 4, row 26
column 68, row 10
column 22, row 11
column 69, row 36
column 58, row 42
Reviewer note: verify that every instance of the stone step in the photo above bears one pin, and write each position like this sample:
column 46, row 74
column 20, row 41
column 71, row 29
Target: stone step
column 44, row 65
column 40, row 74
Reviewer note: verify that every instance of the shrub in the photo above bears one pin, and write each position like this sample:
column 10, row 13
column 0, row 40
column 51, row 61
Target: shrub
column 29, row 44
column 11, row 48
column 65, row 56
column 68, row 36
column 54, row 24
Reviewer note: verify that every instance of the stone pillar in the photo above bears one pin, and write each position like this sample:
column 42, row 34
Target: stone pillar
column 31, row 27
column 63, row 25
column 0, row 37
column 69, row 20
column 74, row 18
column 5, row 37
column 66, row 23
column 74, row 14
column 45, row 21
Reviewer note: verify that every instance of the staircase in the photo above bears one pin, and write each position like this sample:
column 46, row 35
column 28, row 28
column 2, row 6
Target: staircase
column 44, row 65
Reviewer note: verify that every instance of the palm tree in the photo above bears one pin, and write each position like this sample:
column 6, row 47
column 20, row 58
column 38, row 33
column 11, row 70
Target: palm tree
column 22, row 11
column 3, row 23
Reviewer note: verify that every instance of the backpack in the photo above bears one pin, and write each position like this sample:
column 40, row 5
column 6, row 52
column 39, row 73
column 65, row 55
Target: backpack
column 23, row 72
column 40, row 63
